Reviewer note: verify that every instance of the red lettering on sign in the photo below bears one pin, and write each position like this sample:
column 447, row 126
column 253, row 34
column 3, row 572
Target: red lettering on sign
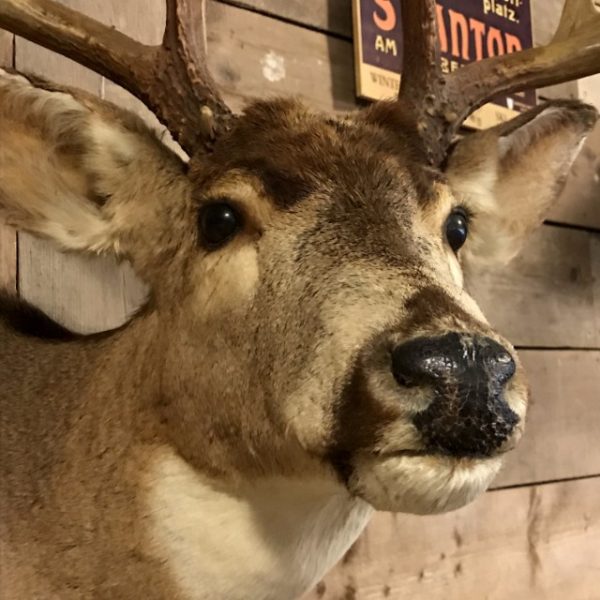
column 443, row 35
column 460, row 32
column 513, row 43
column 388, row 22
column 495, row 42
column 478, row 29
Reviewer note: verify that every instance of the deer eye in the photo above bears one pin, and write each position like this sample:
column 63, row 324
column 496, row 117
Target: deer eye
column 218, row 222
column 457, row 229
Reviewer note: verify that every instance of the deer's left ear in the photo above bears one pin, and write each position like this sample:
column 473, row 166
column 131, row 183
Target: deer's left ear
column 509, row 176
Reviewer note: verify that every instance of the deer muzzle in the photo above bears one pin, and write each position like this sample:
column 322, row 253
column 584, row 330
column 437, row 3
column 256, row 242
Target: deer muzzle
column 468, row 415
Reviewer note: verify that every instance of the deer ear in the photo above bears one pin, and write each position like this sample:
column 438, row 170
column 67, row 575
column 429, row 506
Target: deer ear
column 509, row 176
column 71, row 166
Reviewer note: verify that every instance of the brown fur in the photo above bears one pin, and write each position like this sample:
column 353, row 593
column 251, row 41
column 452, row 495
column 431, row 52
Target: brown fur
column 264, row 358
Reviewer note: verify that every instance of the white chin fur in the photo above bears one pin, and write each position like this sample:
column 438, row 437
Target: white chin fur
column 422, row 484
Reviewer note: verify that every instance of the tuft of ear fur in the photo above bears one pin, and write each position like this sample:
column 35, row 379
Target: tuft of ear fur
column 69, row 164
column 510, row 175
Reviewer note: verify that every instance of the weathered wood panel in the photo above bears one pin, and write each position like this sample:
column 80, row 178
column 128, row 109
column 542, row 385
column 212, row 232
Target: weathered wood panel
column 8, row 238
column 563, row 419
column 6, row 48
column 548, row 296
column 8, row 258
column 580, row 200
column 332, row 16
column 248, row 63
column 536, row 543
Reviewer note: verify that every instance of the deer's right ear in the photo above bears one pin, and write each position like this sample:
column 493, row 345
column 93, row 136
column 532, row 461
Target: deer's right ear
column 72, row 167
column 509, row 176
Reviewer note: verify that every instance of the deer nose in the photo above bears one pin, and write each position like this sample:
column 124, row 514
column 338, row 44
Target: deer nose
column 427, row 360
column 468, row 414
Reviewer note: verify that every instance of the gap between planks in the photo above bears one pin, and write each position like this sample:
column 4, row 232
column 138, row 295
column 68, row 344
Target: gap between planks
column 271, row 14
column 529, row 484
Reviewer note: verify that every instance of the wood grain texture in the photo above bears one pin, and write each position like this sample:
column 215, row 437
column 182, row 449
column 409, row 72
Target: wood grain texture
column 8, row 237
column 580, row 201
column 247, row 62
column 332, row 16
column 8, row 258
column 563, row 424
column 545, row 18
column 6, row 48
column 548, row 296
column 536, row 543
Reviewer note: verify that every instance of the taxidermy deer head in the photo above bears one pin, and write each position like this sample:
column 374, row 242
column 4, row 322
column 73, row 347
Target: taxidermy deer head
column 308, row 351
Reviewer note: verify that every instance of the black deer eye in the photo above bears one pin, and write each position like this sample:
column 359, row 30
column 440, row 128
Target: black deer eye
column 218, row 222
column 457, row 229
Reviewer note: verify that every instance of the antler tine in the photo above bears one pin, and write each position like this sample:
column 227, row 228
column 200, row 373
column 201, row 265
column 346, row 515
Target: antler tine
column 438, row 105
column 421, row 72
column 423, row 83
column 573, row 53
column 171, row 79
column 200, row 112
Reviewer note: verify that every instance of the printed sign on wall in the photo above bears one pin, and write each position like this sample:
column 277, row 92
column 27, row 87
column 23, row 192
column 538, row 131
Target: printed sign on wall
column 469, row 30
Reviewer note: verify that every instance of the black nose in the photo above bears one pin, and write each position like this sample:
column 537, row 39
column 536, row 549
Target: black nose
column 427, row 360
column 468, row 414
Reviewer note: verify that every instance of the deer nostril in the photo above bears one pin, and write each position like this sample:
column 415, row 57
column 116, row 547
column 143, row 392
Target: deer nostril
column 424, row 360
column 499, row 362
column 404, row 380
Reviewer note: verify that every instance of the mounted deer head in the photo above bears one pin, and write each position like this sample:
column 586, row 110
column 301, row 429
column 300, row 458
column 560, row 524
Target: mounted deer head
column 308, row 350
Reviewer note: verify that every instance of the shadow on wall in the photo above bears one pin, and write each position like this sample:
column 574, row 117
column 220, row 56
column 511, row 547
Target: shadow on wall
column 341, row 52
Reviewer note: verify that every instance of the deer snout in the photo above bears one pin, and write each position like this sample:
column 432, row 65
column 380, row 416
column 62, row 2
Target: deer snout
column 469, row 415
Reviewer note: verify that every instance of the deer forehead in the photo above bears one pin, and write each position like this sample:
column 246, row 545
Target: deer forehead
column 281, row 157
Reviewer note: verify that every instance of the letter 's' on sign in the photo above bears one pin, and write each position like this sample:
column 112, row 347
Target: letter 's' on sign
column 469, row 30
column 388, row 22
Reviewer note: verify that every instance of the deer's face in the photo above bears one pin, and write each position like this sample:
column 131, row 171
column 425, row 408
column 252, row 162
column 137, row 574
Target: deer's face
column 325, row 308
column 306, row 280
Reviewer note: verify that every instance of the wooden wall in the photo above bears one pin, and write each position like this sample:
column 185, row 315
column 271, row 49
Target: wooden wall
column 537, row 534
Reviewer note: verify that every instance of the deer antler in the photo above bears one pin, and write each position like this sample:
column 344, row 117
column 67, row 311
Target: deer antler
column 439, row 104
column 171, row 79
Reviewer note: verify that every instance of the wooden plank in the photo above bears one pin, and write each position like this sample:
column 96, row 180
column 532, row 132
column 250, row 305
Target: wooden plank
column 86, row 293
column 8, row 258
column 561, row 438
column 6, row 48
column 8, row 238
column 332, row 16
column 579, row 203
column 548, row 296
column 289, row 60
column 537, row 543
column 545, row 18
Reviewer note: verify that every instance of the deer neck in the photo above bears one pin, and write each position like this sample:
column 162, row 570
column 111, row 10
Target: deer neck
column 100, row 463
column 271, row 539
